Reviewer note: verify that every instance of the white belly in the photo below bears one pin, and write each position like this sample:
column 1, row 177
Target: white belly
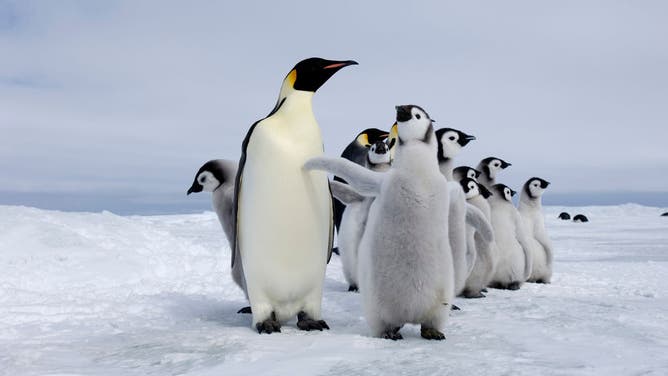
column 284, row 220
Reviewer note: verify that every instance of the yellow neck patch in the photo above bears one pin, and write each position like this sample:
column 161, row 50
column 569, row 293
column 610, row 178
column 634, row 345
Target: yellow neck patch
column 363, row 139
column 291, row 78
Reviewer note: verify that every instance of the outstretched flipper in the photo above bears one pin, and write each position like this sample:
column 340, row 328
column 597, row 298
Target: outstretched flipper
column 476, row 219
column 362, row 180
column 547, row 246
column 345, row 193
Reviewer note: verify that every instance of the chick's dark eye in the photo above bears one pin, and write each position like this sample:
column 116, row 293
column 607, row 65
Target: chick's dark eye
column 417, row 116
column 452, row 138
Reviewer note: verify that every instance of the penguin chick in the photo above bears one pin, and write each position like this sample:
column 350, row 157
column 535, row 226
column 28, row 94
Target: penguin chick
column 490, row 167
column 355, row 217
column 514, row 262
column 450, row 144
column 461, row 172
column 356, row 151
column 538, row 242
column 405, row 262
column 217, row 176
column 485, row 250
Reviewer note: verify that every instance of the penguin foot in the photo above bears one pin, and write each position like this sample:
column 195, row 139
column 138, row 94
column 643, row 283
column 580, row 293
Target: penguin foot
column 472, row 294
column 499, row 286
column 353, row 288
column 393, row 334
column 455, row 308
column 304, row 322
column 245, row 310
column 336, row 250
column 513, row 286
column 269, row 325
column 431, row 333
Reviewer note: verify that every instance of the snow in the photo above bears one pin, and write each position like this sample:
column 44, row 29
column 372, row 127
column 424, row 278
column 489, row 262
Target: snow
column 101, row 294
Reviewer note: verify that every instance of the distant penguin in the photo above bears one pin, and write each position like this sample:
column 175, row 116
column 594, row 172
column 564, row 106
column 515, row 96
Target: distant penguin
column 580, row 218
column 539, row 244
column 485, row 250
column 355, row 217
column 564, row 216
column 664, row 214
column 514, row 261
column 450, row 143
column 217, row 176
column 405, row 263
column 284, row 226
column 489, row 168
column 356, row 151
column 462, row 172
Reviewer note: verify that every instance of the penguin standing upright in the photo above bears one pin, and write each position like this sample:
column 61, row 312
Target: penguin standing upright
column 514, row 261
column 485, row 249
column 489, row 167
column 217, row 176
column 450, row 142
column 354, row 218
column 284, row 225
column 531, row 211
column 356, row 151
column 405, row 263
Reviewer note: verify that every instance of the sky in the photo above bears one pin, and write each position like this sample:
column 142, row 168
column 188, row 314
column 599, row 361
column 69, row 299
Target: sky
column 116, row 104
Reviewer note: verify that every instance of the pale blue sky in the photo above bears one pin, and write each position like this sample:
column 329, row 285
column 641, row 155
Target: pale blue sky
column 130, row 98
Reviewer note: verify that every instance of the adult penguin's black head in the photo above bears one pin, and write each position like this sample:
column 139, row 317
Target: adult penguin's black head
column 310, row 74
column 370, row 136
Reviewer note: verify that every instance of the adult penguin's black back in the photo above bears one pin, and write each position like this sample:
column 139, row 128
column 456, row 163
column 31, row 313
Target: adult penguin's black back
column 356, row 152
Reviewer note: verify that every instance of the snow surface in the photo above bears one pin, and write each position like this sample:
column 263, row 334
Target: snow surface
column 101, row 294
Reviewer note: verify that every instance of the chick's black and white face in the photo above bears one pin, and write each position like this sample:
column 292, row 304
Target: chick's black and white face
column 450, row 143
column 508, row 194
column 495, row 166
column 208, row 182
column 379, row 153
column 412, row 125
column 472, row 190
column 472, row 174
column 535, row 188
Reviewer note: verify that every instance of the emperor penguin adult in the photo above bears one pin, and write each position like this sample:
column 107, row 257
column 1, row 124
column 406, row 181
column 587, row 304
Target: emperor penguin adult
column 490, row 167
column 485, row 249
column 355, row 217
column 450, row 143
column 514, row 262
column 462, row 172
column 217, row 176
column 356, row 151
column 284, row 224
column 405, row 262
column 540, row 246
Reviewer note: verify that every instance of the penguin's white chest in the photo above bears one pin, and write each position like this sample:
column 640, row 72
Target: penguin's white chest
column 284, row 211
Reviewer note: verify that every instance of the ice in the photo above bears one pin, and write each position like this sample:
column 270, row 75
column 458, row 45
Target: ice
column 101, row 294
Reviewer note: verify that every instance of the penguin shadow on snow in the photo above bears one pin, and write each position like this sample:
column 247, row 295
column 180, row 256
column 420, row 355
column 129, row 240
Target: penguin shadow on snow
column 182, row 307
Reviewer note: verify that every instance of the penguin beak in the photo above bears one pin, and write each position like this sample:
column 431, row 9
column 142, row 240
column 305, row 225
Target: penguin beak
column 190, row 190
column 545, row 184
column 506, row 165
column 466, row 139
column 340, row 64
column 403, row 113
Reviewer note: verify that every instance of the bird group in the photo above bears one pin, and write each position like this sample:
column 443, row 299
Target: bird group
column 413, row 230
